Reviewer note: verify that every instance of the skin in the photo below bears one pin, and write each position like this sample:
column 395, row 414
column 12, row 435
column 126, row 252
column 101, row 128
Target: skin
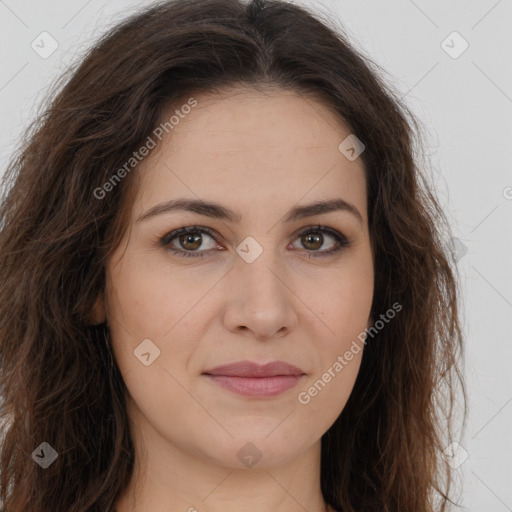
column 259, row 154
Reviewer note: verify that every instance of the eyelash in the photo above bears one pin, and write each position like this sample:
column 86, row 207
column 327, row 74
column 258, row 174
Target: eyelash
column 341, row 240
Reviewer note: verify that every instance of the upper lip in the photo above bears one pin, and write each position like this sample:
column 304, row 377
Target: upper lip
column 251, row 369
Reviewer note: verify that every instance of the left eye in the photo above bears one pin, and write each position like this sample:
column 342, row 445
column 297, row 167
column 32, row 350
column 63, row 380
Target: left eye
column 191, row 238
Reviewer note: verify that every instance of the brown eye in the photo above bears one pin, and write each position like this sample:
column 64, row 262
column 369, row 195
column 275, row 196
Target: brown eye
column 312, row 241
column 314, row 237
column 190, row 242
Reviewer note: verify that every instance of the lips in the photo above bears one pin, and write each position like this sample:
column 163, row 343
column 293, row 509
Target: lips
column 250, row 369
column 256, row 381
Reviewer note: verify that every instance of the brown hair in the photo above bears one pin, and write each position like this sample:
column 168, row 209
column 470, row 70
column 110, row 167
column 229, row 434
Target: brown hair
column 384, row 451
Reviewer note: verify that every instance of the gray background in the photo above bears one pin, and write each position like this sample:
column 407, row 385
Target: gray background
column 466, row 105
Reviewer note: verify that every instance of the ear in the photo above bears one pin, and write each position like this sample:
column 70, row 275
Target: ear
column 98, row 315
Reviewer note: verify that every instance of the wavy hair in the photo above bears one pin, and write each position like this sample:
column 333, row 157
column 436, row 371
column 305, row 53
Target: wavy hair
column 58, row 381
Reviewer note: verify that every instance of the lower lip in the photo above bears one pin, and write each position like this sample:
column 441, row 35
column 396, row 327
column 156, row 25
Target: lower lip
column 257, row 386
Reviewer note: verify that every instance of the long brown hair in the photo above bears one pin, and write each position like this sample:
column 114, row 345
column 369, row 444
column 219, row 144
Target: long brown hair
column 384, row 451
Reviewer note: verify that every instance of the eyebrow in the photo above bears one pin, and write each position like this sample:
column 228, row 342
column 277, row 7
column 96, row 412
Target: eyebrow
column 218, row 211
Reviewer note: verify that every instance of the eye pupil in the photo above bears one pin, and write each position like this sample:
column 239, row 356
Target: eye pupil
column 312, row 238
column 184, row 239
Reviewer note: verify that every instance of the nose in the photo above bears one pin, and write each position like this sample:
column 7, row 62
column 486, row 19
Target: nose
column 260, row 299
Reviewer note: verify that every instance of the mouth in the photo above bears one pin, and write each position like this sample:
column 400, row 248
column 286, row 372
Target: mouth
column 257, row 381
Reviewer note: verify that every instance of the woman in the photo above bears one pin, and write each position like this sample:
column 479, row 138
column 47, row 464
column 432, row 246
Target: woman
column 222, row 279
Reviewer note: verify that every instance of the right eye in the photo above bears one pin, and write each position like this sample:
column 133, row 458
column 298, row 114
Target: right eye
column 191, row 236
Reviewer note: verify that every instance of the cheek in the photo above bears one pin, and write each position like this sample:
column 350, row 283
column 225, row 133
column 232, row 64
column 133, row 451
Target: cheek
column 345, row 301
column 339, row 344
column 147, row 298
column 142, row 305
column 325, row 395
column 344, row 304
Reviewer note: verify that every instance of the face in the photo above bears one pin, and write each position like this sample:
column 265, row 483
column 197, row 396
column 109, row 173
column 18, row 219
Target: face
column 253, row 279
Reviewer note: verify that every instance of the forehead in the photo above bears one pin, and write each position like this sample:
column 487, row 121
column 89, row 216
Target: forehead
column 244, row 143
column 255, row 120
